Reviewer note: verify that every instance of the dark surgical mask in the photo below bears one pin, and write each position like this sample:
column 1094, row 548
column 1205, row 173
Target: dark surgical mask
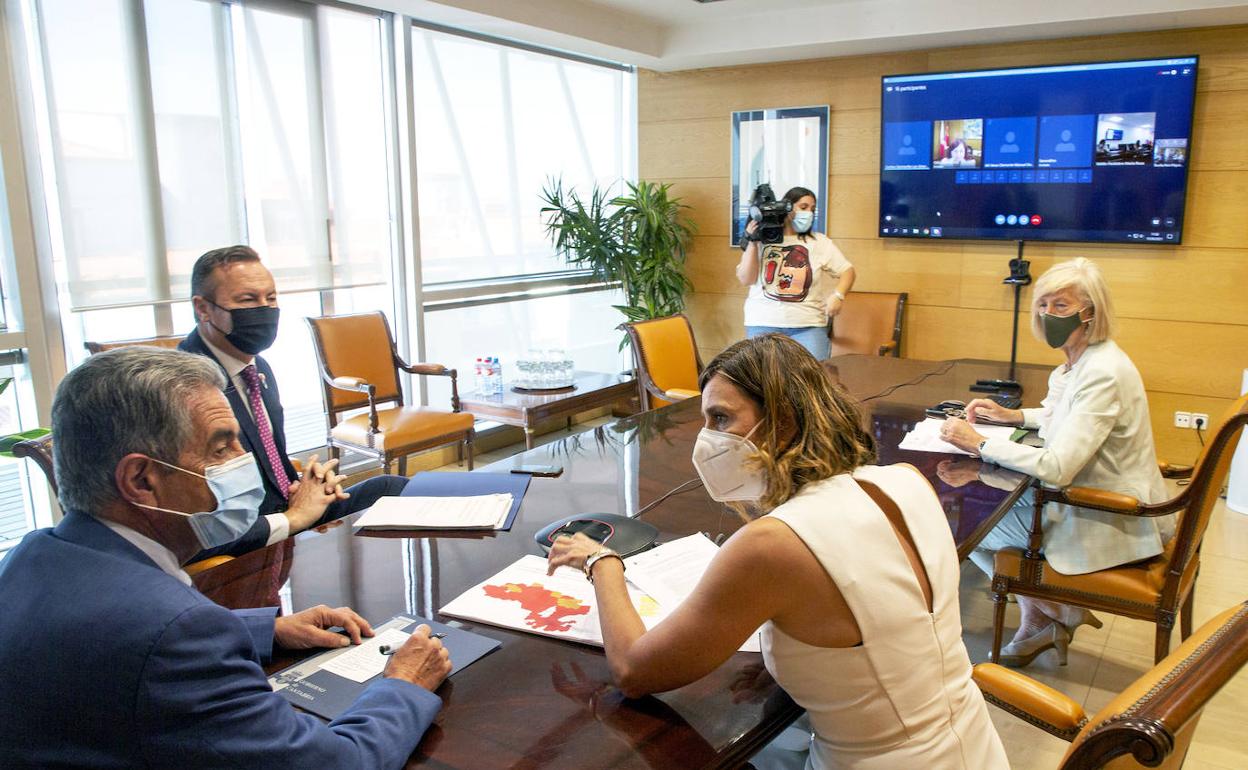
column 1057, row 328
column 254, row 328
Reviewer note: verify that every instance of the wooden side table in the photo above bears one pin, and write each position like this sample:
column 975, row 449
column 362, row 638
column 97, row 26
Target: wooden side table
column 526, row 409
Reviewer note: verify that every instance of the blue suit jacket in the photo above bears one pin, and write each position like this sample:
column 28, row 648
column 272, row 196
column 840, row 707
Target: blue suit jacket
column 111, row 662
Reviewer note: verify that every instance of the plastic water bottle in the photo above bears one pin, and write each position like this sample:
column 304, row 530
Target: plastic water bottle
column 478, row 375
column 496, row 370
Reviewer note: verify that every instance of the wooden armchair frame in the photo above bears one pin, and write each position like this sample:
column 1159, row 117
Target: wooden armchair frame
column 648, row 390
column 891, row 347
column 347, row 383
column 1181, row 560
column 1152, row 720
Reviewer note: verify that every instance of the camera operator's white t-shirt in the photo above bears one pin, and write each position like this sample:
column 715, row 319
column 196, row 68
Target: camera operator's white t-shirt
column 795, row 279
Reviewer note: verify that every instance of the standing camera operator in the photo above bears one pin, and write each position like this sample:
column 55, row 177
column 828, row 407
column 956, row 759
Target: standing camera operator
column 790, row 281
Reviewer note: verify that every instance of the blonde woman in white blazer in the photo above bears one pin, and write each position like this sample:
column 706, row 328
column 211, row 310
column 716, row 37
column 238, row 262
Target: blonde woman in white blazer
column 1095, row 425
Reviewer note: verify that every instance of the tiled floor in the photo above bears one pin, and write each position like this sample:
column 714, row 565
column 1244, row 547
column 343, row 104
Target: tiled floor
column 1101, row 662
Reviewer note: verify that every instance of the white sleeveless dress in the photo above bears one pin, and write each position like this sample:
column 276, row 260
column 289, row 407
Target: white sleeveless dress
column 904, row 697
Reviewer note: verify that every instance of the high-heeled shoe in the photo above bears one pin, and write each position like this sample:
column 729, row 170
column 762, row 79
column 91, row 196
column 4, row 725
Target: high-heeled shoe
column 1085, row 618
column 1022, row 652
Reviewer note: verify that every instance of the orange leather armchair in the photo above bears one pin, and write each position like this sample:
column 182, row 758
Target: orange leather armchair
column 1160, row 589
column 360, row 369
column 869, row 323
column 1151, row 723
column 665, row 356
column 156, row 342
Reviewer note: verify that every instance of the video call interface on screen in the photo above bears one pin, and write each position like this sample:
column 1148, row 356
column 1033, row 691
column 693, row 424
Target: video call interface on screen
column 1081, row 152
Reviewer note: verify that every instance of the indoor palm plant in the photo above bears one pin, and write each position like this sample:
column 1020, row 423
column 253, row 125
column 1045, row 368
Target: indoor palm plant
column 638, row 239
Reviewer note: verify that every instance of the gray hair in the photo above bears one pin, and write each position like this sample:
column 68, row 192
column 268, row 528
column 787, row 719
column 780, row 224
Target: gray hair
column 131, row 399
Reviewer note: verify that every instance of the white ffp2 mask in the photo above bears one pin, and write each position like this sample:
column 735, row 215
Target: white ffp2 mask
column 722, row 461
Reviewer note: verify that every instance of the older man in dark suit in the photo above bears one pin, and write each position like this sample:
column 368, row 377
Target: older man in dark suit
column 112, row 658
column 235, row 303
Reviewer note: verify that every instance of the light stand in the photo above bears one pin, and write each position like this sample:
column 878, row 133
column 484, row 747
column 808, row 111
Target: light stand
column 1020, row 276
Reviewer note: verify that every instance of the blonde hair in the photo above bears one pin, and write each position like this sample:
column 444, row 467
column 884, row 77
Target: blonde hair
column 793, row 389
column 1088, row 282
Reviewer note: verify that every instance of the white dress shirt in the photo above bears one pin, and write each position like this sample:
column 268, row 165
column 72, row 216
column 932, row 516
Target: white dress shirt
column 164, row 558
column 279, row 525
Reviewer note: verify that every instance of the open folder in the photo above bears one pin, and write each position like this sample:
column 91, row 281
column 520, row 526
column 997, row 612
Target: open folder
column 477, row 512
column 327, row 684
column 450, row 502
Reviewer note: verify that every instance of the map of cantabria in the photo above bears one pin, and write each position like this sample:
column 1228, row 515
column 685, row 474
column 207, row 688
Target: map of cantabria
column 523, row 597
column 547, row 609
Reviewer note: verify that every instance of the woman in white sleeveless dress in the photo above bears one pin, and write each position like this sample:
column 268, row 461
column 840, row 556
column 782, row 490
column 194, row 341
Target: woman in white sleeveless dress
column 852, row 575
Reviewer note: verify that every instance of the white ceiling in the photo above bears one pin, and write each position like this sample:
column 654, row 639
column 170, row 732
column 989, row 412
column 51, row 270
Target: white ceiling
column 684, row 34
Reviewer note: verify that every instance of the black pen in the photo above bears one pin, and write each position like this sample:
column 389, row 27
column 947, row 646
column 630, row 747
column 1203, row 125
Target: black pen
column 386, row 649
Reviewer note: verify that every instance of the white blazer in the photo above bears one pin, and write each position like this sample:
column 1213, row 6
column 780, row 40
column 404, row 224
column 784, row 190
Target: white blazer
column 1096, row 431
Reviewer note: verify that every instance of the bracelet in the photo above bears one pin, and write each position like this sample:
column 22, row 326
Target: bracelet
column 601, row 553
column 837, row 293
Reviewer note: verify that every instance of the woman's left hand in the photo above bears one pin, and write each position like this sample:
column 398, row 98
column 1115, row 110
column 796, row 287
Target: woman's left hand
column 960, row 433
column 834, row 306
column 571, row 551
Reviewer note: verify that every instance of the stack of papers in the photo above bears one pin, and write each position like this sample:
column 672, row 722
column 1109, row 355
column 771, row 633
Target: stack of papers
column 671, row 571
column 479, row 512
column 926, row 436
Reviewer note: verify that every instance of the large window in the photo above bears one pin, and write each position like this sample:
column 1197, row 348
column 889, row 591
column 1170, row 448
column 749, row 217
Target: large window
column 24, row 499
column 494, row 123
column 154, row 131
column 200, row 124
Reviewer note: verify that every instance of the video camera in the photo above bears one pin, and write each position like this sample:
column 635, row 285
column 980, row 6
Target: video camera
column 769, row 213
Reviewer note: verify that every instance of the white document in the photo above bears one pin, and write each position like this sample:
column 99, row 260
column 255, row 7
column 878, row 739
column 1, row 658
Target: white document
column 926, row 436
column 562, row 605
column 309, row 666
column 479, row 512
column 670, row 572
column 365, row 661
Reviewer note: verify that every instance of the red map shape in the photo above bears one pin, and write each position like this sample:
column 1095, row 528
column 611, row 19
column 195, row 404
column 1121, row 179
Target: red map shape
column 538, row 600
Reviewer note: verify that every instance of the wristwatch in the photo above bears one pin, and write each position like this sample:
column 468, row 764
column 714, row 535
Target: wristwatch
column 837, row 293
column 601, row 553
column 980, row 450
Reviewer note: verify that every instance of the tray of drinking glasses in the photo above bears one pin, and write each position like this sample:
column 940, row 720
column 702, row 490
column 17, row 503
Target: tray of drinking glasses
column 568, row 388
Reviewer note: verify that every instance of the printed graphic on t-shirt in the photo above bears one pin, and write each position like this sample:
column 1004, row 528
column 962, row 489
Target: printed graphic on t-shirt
column 786, row 272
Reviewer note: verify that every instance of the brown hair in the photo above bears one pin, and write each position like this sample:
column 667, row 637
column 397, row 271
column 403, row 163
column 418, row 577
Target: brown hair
column 203, row 282
column 793, row 389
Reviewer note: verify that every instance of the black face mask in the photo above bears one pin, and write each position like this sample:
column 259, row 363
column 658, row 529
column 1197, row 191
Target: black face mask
column 255, row 328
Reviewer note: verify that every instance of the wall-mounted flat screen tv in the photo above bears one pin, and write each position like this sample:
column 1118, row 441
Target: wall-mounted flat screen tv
column 1078, row 152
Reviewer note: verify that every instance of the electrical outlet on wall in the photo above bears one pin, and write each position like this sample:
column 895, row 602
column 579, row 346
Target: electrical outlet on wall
column 1182, row 419
column 1200, row 421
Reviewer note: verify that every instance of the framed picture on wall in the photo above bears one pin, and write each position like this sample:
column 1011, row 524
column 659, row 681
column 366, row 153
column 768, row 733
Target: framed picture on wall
column 784, row 148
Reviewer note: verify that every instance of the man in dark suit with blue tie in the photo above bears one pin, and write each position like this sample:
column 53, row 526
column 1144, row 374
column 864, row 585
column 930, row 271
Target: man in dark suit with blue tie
column 235, row 302
column 112, row 658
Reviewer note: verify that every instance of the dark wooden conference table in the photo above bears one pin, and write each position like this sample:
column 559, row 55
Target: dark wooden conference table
column 545, row 703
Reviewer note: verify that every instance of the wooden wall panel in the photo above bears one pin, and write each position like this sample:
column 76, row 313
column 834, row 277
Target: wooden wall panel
column 1183, row 309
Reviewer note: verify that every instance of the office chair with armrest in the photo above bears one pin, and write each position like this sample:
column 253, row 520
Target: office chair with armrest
column 1149, row 724
column 665, row 355
column 250, row 580
column 156, row 342
column 360, row 368
column 869, row 323
column 39, row 451
column 1157, row 589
